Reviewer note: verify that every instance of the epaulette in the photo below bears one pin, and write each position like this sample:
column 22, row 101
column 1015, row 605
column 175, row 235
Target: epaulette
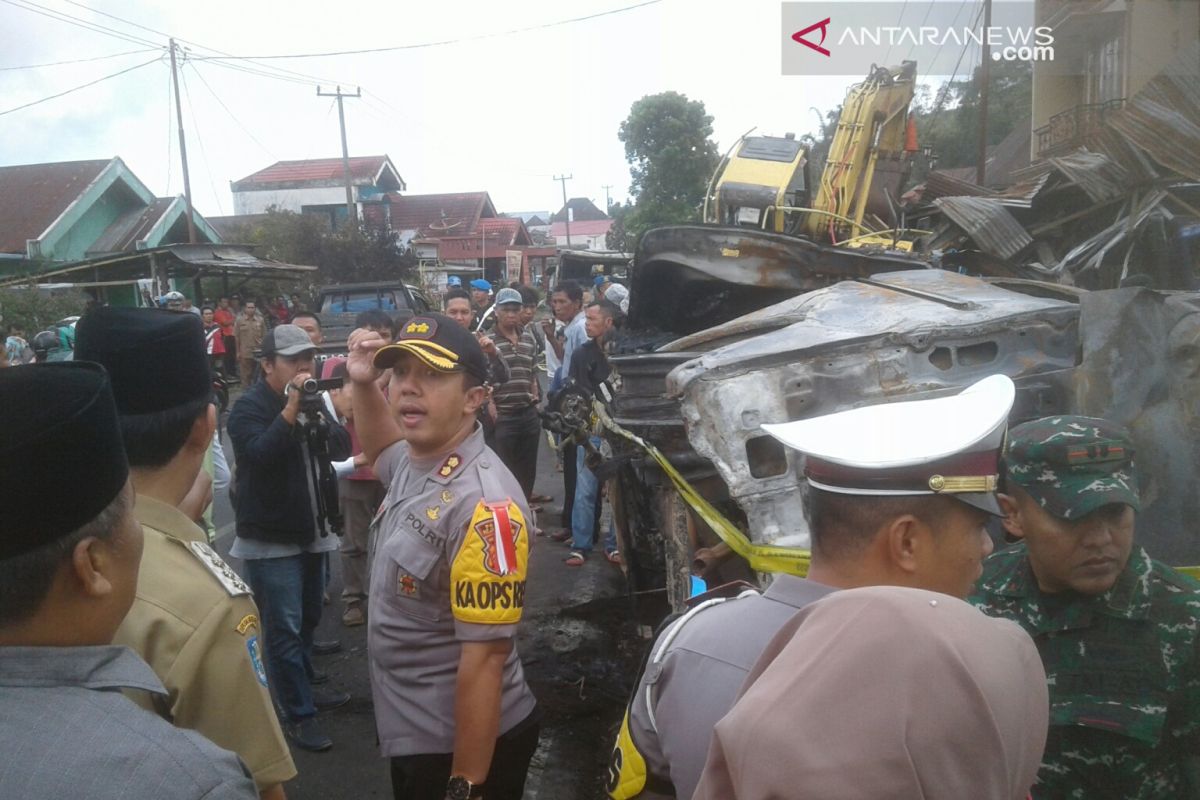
column 726, row 591
column 230, row 581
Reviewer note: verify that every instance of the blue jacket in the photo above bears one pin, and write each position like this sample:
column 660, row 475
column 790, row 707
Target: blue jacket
column 272, row 469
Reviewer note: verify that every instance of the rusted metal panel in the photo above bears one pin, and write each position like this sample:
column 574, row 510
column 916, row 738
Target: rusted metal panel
column 1164, row 117
column 988, row 223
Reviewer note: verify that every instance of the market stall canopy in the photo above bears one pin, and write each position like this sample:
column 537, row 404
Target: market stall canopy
column 181, row 261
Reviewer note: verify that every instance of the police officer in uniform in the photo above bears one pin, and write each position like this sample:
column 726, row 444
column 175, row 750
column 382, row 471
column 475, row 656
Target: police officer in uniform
column 451, row 549
column 1118, row 632
column 897, row 494
column 193, row 620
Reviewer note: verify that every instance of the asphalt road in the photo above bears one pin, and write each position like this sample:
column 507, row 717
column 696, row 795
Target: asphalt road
column 579, row 643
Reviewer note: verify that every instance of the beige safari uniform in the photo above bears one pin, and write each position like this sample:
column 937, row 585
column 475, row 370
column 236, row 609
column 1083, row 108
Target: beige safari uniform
column 195, row 622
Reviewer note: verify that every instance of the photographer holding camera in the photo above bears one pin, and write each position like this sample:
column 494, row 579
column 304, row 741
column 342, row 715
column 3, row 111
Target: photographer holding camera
column 276, row 437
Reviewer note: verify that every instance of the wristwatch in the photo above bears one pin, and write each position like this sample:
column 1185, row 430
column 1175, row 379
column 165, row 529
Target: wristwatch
column 459, row 788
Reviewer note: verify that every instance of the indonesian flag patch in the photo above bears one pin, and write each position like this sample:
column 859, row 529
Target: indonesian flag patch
column 488, row 572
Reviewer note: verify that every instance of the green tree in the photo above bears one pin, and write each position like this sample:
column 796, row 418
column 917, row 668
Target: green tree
column 35, row 309
column 949, row 120
column 671, row 157
column 347, row 255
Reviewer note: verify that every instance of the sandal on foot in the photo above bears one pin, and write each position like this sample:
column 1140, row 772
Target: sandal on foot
column 541, row 498
column 576, row 559
column 614, row 556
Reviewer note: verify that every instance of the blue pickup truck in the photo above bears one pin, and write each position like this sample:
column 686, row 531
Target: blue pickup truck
column 338, row 306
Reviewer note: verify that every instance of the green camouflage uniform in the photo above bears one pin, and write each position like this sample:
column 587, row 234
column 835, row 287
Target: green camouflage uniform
column 1124, row 676
column 1123, row 667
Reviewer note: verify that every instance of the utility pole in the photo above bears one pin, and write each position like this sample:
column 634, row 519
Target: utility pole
column 607, row 201
column 984, row 80
column 566, row 209
column 351, row 215
column 187, row 183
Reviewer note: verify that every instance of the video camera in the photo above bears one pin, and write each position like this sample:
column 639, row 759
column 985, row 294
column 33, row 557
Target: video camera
column 312, row 425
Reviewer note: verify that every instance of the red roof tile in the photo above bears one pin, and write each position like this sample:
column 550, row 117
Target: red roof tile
column 499, row 232
column 362, row 169
column 439, row 215
column 32, row 196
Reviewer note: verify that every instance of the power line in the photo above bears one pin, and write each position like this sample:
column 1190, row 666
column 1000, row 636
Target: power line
column 81, row 86
column 78, row 60
column 196, row 44
column 444, row 42
column 232, row 116
column 953, row 22
column 888, row 54
column 62, row 16
column 79, row 23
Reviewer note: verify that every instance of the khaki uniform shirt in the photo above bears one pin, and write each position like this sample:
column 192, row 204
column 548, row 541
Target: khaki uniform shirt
column 447, row 568
column 195, row 623
column 696, row 667
column 249, row 333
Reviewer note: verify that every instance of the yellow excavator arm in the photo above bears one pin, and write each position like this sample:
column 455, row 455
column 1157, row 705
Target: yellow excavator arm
column 870, row 138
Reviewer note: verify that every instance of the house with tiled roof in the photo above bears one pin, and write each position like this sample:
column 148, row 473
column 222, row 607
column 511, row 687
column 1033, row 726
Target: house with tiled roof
column 74, row 210
column 316, row 186
column 580, row 224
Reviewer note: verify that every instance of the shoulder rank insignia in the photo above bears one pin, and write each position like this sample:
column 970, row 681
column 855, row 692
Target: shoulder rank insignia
column 452, row 463
column 230, row 581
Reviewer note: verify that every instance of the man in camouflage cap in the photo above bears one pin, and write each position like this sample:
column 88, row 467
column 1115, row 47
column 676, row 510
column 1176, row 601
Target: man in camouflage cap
column 1117, row 631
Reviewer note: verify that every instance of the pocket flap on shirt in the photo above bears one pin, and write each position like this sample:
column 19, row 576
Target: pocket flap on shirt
column 1140, row 717
column 414, row 556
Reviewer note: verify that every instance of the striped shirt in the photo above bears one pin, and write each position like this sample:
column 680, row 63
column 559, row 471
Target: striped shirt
column 517, row 394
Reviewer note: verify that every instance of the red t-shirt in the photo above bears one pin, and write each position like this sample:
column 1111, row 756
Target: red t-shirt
column 224, row 318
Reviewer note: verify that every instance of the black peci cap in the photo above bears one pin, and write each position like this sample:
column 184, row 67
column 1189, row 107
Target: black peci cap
column 439, row 342
column 155, row 358
column 61, row 457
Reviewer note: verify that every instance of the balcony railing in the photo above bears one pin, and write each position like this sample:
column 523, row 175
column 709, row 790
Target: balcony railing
column 1067, row 130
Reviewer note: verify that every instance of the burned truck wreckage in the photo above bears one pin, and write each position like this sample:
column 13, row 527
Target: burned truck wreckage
column 1132, row 355
column 1077, row 277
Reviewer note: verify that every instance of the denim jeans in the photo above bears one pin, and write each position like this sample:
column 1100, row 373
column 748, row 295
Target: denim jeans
column 288, row 592
column 587, row 506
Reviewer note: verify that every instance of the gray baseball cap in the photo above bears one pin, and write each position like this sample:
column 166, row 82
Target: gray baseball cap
column 286, row 340
column 506, row 296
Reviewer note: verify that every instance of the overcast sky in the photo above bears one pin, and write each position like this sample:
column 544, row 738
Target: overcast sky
column 501, row 114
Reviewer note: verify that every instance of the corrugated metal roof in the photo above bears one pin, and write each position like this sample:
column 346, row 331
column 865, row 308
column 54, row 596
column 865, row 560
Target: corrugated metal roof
column 941, row 183
column 33, row 195
column 1096, row 174
column 988, row 223
column 1164, row 117
column 363, row 169
column 1021, row 195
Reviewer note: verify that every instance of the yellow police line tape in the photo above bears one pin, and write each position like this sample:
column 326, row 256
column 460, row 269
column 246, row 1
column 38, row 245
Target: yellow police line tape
column 761, row 557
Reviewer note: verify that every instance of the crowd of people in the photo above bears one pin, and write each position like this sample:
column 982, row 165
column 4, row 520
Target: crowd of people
column 910, row 660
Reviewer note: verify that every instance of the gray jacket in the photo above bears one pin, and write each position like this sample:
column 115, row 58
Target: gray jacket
column 67, row 731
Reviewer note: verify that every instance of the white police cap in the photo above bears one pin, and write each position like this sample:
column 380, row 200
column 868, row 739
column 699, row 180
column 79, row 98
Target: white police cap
column 947, row 445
